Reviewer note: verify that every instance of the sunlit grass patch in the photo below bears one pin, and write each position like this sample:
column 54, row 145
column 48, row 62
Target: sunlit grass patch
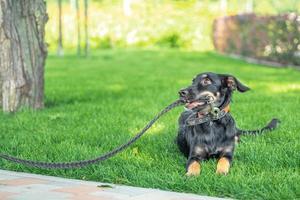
column 279, row 88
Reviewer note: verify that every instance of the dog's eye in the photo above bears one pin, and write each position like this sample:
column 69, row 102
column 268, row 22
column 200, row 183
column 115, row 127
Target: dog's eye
column 206, row 81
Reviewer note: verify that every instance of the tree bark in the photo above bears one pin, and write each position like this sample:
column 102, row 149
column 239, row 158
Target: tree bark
column 22, row 53
column 60, row 50
column 86, row 27
column 78, row 28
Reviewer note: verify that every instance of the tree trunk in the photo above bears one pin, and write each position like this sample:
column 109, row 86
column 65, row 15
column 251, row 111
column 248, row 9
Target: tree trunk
column 86, row 28
column 223, row 6
column 249, row 6
column 78, row 28
column 60, row 50
column 22, row 53
column 127, row 7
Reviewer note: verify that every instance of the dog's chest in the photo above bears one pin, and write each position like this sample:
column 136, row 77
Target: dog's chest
column 212, row 136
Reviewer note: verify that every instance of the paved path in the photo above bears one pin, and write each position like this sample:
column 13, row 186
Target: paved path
column 23, row 186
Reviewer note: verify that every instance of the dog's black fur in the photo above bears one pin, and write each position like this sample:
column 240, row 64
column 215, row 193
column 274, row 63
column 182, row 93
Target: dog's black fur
column 215, row 138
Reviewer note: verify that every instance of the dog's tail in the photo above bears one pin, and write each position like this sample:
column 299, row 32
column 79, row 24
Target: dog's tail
column 269, row 127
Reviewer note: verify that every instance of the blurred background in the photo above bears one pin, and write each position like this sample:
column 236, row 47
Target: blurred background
column 84, row 25
column 113, row 65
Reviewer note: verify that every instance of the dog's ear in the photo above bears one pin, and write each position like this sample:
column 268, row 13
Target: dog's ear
column 233, row 83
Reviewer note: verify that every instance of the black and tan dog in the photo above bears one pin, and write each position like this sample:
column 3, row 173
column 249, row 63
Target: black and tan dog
column 206, row 128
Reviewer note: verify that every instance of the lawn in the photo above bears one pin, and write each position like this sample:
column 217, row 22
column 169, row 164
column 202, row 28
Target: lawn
column 95, row 104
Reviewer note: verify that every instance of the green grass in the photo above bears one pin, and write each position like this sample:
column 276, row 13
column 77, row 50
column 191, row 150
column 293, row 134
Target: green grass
column 98, row 103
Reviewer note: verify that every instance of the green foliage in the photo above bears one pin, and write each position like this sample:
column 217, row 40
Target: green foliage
column 171, row 40
column 98, row 103
column 102, row 43
column 163, row 23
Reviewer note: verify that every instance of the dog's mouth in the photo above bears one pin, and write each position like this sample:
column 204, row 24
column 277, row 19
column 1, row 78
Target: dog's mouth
column 195, row 104
column 199, row 103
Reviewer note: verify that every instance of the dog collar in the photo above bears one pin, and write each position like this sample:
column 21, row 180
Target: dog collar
column 213, row 115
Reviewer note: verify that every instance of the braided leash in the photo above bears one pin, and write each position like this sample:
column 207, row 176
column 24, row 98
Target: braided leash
column 78, row 164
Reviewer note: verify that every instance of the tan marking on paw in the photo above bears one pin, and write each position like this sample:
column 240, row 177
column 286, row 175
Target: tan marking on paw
column 194, row 169
column 223, row 166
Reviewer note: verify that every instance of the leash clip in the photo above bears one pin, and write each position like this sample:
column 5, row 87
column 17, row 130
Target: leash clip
column 215, row 112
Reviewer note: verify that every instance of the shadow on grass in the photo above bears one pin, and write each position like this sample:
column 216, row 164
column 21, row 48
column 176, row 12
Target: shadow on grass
column 87, row 96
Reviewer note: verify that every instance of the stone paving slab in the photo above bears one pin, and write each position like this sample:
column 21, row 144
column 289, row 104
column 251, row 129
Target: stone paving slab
column 24, row 186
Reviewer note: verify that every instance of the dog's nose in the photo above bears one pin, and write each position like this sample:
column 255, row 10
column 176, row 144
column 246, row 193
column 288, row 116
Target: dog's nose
column 183, row 92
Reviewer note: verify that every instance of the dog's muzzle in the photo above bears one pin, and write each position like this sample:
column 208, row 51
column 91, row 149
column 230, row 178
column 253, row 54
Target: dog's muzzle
column 198, row 103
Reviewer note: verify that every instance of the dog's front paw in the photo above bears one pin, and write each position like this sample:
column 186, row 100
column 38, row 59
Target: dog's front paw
column 193, row 169
column 222, row 171
column 223, row 166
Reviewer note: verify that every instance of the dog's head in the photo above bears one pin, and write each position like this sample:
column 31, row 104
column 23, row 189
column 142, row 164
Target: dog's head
column 209, row 87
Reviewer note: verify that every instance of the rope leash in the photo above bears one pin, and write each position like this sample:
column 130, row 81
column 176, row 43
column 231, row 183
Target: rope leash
column 83, row 163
